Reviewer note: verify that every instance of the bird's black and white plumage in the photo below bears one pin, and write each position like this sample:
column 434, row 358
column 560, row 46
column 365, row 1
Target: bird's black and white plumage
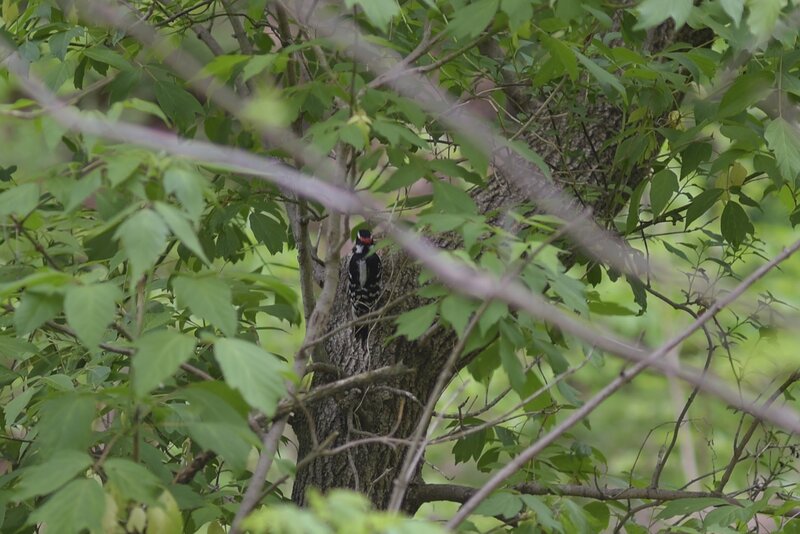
column 364, row 276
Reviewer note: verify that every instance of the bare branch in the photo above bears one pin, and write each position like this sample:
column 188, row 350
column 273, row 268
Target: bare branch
column 332, row 388
column 185, row 475
column 417, row 448
column 455, row 493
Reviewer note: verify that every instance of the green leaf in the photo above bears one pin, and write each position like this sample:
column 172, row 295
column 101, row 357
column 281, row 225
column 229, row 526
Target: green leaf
column 397, row 133
column 688, row 506
column 794, row 218
column 65, row 422
column 500, row 503
column 143, row 237
column 471, row 20
column 132, row 480
column 165, row 516
column 158, row 355
column 544, row 513
column 524, row 150
column 603, row 77
column 734, row 9
column 14, row 407
column 476, row 152
column 599, row 514
column 783, row 139
column 42, row 277
column 379, row 12
column 633, row 207
column 216, row 425
column 575, row 517
column 144, row 106
column 14, row 348
column 639, row 293
column 187, row 188
column 570, row 290
column 109, row 57
column 82, row 189
column 223, row 66
column 268, row 231
column 701, row 204
column 727, row 515
column 58, row 74
column 47, row 477
column 484, row 365
column 404, row 176
column 19, row 200
column 177, row 103
column 693, row 155
column 121, row 166
column 654, row 12
column 182, row 229
column 531, row 385
column 609, row 308
column 414, row 323
column 494, row 312
column 519, row 12
column 471, row 446
column 450, row 199
column 34, row 310
column 676, row 251
column 457, row 310
column 254, row 372
column 746, row 91
column 763, row 17
column 257, row 64
column 662, row 186
column 511, row 364
column 735, row 224
column 90, row 309
column 59, row 42
column 451, row 169
column 563, row 53
column 208, row 298
column 77, row 506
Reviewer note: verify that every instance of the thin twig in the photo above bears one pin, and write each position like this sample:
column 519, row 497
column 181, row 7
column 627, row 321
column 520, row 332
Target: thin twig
column 739, row 449
column 679, row 421
column 38, row 246
column 333, row 388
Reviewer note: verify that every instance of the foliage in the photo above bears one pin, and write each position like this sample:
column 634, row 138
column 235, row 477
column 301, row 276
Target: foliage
column 153, row 301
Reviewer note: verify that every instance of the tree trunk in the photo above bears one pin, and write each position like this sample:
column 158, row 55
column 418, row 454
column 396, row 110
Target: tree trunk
column 375, row 411
column 578, row 138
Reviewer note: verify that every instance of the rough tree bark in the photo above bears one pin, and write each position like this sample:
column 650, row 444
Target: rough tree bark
column 581, row 153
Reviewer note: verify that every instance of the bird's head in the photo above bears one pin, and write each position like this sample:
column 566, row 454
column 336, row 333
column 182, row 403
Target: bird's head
column 364, row 237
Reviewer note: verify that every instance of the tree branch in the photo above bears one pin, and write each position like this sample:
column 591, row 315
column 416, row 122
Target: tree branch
column 332, row 388
column 710, row 348
column 462, row 494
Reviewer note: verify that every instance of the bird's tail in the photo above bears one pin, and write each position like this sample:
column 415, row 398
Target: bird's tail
column 361, row 333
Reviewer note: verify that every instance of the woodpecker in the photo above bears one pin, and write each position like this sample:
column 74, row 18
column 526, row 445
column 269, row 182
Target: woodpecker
column 364, row 275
